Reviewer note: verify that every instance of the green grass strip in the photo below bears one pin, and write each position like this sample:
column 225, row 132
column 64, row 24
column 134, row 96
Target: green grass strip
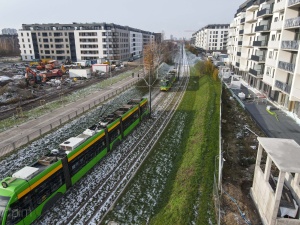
column 193, row 182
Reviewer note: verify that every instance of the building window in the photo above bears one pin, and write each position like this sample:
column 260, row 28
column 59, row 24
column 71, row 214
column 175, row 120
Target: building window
column 66, row 39
column 22, row 34
column 25, row 51
column 25, row 57
column 30, row 51
column 29, row 46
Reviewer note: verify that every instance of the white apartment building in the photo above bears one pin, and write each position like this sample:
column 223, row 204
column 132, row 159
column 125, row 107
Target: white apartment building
column 81, row 41
column 212, row 37
column 263, row 47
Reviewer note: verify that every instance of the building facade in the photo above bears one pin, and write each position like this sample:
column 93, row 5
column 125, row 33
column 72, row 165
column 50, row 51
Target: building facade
column 81, row 41
column 263, row 47
column 212, row 37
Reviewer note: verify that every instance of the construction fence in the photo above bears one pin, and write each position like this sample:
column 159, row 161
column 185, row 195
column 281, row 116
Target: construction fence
column 60, row 121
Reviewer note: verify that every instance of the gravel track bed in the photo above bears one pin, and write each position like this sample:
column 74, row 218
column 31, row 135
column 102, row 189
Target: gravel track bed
column 91, row 196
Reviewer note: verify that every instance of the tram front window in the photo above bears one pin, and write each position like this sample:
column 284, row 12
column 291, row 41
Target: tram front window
column 3, row 203
column 164, row 83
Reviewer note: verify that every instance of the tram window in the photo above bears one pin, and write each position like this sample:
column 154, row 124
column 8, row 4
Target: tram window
column 84, row 158
column 17, row 212
column 113, row 134
column 129, row 120
column 143, row 108
column 3, row 203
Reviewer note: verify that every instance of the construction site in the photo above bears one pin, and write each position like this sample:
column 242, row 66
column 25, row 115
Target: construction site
column 24, row 85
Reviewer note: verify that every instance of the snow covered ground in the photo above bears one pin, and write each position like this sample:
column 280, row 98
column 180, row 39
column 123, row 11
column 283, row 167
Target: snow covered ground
column 38, row 148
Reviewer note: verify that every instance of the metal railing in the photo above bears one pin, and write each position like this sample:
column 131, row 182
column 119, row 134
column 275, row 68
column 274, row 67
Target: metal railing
column 264, row 12
column 293, row 2
column 258, row 58
column 283, row 86
column 286, row 66
column 261, row 43
column 294, row 45
column 256, row 72
column 293, row 22
column 262, row 28
column 54, row 124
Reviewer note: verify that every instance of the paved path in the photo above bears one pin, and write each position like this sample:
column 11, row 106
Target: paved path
column 22, row 131
column 284, row 127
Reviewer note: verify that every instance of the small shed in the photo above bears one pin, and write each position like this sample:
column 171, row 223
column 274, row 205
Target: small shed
column 276, row 183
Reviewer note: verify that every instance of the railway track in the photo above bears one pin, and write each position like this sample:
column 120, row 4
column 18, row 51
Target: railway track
column 95, row 193
column 104, row 196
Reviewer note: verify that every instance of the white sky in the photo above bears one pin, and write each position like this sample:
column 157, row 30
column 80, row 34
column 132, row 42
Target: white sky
column 177, row 18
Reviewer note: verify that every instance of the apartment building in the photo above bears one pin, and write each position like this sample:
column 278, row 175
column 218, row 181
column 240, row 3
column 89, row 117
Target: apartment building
column 263, row 47
column 212, row 37
column 81, row 41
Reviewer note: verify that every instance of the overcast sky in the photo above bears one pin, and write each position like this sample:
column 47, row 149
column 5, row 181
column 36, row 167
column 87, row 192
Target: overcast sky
column 177, row 18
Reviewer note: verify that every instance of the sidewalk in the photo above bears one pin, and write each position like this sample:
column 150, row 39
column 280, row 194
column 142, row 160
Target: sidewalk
column 281, row 127
column 39, row 126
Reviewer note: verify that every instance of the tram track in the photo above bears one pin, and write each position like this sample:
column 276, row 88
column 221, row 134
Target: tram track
column 108, row 179
column 101, row 200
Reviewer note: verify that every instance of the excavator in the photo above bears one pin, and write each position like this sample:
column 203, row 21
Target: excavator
column 32, row 77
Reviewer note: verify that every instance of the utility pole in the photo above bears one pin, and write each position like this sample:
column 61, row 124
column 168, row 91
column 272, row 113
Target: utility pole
column 150, row 94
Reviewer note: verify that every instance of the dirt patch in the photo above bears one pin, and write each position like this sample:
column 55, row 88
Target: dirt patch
column 240, row 148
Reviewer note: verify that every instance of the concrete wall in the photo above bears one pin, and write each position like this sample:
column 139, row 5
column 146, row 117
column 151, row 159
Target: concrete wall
column 263, row 195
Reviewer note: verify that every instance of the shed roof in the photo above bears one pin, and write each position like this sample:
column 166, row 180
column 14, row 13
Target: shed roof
column 285, row 153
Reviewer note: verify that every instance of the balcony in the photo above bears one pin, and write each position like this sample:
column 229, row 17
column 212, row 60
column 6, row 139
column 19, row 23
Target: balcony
column 264, row 13
column 273, row 44
column 282, row 86
column 277, row 25
column 270, row 62
column 243, row 67
column 249, row 32
column 290, row 67
column 294, row 3
column 252, row 6
column 238, row 53
column 241, row 32
column 262, row 28
column 258, row 58
column 290, row 45
column 233, row 24
column 237, row 64
column 292, row 23
column 243, row 20
column 240, row 43
column 251, row 18
column 257, row 72
column 261, row 44
column 279, row 6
